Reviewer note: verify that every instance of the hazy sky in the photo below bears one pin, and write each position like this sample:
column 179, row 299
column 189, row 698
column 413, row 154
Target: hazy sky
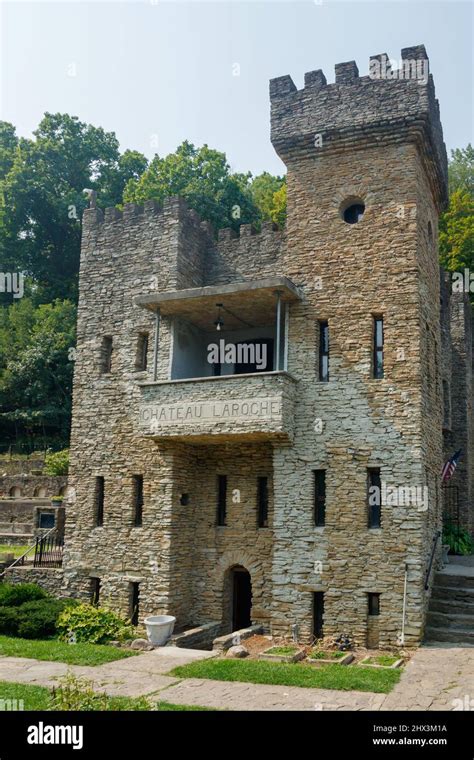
column 157, row 72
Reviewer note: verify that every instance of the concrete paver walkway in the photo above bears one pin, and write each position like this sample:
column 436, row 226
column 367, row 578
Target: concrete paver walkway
column 435, row 676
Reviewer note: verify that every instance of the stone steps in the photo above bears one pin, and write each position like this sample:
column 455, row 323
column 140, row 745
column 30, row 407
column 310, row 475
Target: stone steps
column 450, row 615
column 454, row 581
column 457, row 621
column 464, row 637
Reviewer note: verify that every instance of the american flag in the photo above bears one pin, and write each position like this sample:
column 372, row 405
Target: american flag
column 450, row 466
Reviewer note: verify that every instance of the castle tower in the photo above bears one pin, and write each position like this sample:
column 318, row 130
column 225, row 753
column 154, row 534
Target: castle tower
column 366, row 181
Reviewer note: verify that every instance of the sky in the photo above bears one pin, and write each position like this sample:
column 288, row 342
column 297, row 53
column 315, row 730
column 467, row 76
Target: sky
column 157, row 72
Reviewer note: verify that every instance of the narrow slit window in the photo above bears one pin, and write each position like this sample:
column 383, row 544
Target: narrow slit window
column 374, row 497
column 378, row 369
column 99, row 491
column 319, row 497
column 137, row 500
column 324, row 352
column 373, row 604
column 106, row 355
column 134, row 603
column 262, row 500
column 142, row 352
column 221, row 499
column 95, row 591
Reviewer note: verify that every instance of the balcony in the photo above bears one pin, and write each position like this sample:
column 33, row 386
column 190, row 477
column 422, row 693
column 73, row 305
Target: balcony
column 247, row 407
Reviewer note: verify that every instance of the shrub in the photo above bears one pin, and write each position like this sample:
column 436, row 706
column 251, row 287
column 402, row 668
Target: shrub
column 77, row 694
column 56, row 462
column 33, row 620
column 9, row 620
column 459, row 540
column 14, row 594
column 94, row 624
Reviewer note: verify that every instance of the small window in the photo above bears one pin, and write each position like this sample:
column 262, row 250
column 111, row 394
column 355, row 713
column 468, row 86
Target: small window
column 95, row 591
column 319, row 497
column 262, row 502
column 134, row 611
column 373, row 604
column 46, row 520
column 430, row 232
column 99, row 501
column 374, row 497
column 221, row 499
column 184, row 499
column 324, row 352
column 353, row 213
column 142, row 352
column 137, row 500
column 318, row 614
column 378, row 348
column 106, row 355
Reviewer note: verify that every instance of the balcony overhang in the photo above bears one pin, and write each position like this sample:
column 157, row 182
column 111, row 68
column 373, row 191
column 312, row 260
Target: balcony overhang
column 251, row 301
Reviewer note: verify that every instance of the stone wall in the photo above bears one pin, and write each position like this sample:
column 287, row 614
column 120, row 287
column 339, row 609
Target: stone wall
column 32, row 486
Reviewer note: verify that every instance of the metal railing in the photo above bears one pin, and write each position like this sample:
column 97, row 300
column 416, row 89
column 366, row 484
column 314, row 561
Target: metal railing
column 49, row 551
column 21, row 559
column 428, row 572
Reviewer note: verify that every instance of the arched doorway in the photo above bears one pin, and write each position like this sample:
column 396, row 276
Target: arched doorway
column 241, row 587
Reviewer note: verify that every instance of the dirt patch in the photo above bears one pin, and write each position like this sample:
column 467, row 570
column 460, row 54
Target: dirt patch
column 257, row 644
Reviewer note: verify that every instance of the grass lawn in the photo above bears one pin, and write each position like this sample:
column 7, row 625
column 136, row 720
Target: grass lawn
column 57, row 651
column 39, row 698
column 295, row 674
column 383, row 659
column 16, row 549
column 319, row 655
column 282, row 651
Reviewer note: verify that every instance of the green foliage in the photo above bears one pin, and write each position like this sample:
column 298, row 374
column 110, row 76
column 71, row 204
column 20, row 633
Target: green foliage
column 33, row 620
column 268, row 192
column 96, row 625
column 36, row 368
column 14, row 594
column 282, row 651
column 56, row 462
column 202, row 177
column 42, row 183
column 278, row 211
column 77, row 693
column 461, row 170
column 459, row 539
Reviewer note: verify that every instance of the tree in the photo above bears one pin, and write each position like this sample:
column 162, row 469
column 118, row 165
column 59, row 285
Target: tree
column 42, row 197
column 202, row 177
column 461, row 170
column 456, row 224
column 263, row 189
column 36, row 368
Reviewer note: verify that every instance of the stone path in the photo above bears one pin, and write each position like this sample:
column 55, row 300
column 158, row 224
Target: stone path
column 435, row 676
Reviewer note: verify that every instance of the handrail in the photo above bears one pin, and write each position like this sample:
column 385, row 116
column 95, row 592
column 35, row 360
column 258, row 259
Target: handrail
column 428, row 572
column 30, row 548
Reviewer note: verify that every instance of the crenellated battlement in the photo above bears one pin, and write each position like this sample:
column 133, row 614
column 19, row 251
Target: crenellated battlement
column 173, row 208
column 387, row 105
column 245, row 231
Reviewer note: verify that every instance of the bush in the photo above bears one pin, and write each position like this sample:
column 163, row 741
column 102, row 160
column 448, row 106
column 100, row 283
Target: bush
column 77, row 694
column 56, row 462
column 33, row 620
column 93, row 624
column 14, row 594
column 459, row 540
column 9, row 620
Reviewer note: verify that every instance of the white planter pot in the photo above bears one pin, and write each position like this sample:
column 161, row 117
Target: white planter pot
column 159, row 629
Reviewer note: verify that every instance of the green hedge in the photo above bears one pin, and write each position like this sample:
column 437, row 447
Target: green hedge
column 14, row 594
column 33, row 620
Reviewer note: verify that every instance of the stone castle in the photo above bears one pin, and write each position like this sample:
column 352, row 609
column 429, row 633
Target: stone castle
column 301, row 493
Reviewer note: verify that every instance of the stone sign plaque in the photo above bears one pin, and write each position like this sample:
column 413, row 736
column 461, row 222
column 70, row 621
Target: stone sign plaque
column 195, row 412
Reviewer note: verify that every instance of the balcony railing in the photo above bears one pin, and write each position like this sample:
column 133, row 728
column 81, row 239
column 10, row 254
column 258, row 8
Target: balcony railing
column 245, row 407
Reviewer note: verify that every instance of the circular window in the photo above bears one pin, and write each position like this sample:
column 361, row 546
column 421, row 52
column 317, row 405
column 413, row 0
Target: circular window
column 353, row 213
